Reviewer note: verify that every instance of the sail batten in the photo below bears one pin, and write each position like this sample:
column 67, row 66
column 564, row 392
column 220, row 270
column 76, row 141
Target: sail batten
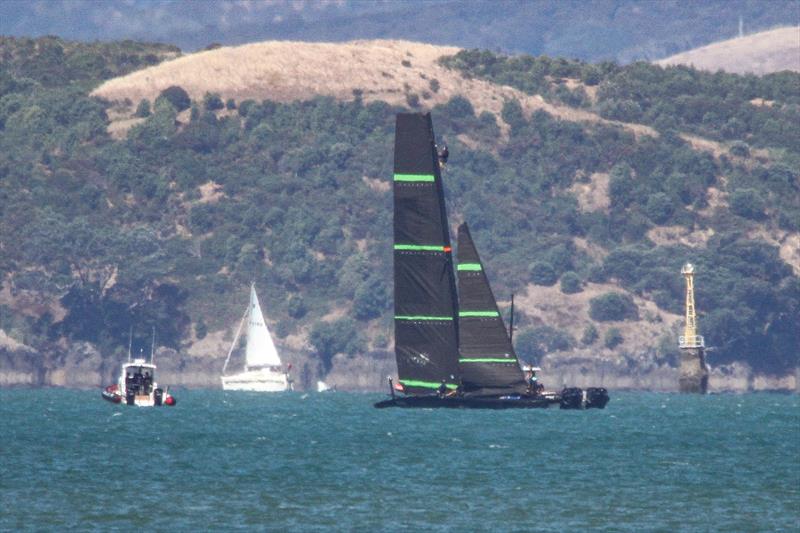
column 426, row 326
column 487, row 361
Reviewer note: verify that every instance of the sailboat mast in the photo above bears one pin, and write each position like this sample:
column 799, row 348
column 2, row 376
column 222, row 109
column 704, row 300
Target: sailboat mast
column 153, row 346
column 235, row 339
column 511, row 322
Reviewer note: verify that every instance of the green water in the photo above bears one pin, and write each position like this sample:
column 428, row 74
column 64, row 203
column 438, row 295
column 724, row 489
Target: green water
column 222, row 461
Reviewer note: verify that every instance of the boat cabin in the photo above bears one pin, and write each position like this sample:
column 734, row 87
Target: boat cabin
column 139, row 377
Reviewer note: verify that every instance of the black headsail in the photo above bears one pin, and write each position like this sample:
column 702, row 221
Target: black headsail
column 488, row 363
column 425, row 302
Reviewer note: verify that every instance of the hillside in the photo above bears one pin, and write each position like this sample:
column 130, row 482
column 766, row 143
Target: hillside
column 400, row 73
column 759, row 53
column 586, row 187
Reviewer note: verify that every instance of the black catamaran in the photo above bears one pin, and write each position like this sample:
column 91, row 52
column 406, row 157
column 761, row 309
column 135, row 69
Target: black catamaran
column 452, row 348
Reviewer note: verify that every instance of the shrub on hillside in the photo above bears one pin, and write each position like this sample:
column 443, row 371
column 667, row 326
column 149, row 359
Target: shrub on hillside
column 747, row 203
column 613, row 306
column 590, row 335
column 176, row 96
column 659, row 208
column 612, row 338
column 212, row 102
column 542, row 273
column 571, row 283
column 143, row 109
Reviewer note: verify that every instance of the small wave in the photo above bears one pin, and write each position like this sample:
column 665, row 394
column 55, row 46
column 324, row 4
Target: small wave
column 497, row 446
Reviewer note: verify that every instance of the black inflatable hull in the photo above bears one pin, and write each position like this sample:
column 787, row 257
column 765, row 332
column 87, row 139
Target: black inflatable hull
column 482, row 402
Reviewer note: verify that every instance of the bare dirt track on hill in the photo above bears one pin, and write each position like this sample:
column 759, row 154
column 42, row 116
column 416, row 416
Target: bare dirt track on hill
column 759, row 53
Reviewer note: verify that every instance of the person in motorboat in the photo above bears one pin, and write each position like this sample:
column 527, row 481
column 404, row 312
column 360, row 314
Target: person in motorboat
column 147, row 382
column 442, row 390
column 138, row 381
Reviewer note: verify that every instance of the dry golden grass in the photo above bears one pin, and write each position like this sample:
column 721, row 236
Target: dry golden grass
column 287, row 71
column 592, row 196
column 671, row 235
column 570, row 313
column 759, row 53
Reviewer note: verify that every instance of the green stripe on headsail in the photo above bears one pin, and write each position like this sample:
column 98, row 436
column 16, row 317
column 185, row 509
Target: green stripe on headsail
column 419, row 247
column 426, row 384
column 478, row 313
column 422, row 317
column 471, row 267
column 487, row 360
column 428, row 178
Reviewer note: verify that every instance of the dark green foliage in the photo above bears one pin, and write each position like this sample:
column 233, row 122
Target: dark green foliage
column 612, row 338
column 590, row 335
column 331, row 338
column 371, row 299
column 542, row 273
column 296, row 307
column 533, row 344
column 212, row 102
column 143, row 109
column 571, row 283
column 740, row 149
column 659, row 208
column 176, row 96
column 613, row 306
column 747, row 203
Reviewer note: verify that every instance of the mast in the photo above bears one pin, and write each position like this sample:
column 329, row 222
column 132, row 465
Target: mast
column 425, row 312
column 511, row 322
column 488, row 362
column 153, row 346
column 130, row 342
column 235, row 339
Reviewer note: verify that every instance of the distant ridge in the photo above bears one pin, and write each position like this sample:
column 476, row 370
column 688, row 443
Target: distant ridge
column 759, row 53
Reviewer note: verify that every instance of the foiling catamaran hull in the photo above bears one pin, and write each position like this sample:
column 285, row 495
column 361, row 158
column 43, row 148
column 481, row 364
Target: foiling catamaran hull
column 571, row 398
column 434, row 401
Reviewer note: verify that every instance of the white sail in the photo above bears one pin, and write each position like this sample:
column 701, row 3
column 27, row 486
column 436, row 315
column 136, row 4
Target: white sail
column 260, row 348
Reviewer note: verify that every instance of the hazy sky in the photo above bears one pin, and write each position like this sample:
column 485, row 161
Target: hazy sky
column 587, row 29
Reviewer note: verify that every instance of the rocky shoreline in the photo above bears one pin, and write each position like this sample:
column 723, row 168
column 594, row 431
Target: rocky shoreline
column 81, row 366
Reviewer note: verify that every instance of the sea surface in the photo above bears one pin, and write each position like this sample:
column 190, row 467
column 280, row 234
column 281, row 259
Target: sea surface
column 331, row 462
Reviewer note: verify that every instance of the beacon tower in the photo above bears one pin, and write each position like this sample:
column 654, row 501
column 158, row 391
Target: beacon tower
column 693, row 369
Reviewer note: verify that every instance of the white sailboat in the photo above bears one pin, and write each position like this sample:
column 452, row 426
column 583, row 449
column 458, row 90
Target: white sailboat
column 263, row 371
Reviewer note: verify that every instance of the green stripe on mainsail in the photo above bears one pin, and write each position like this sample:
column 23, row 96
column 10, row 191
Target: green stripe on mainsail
column 478, row 313
column 471, row 267
column 487, row 360
column 426, row 384
column 414, row 177
column 419, row 247
column 421, row 317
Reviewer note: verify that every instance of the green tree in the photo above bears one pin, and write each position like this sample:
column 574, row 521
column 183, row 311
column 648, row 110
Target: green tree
column 613, row 306
column 542, row 273
column 177, row 96
column 571, row 283
column 612, row 338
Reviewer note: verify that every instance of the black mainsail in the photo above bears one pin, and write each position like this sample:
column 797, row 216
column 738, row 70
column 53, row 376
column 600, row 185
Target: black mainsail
column 487, row 362
column 425, row 301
